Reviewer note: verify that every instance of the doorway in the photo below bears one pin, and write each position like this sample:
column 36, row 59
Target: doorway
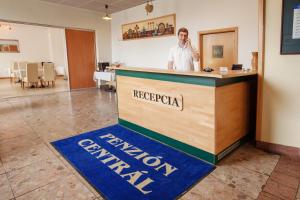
column 81, row 58
column 39, row 45
column 218, row 48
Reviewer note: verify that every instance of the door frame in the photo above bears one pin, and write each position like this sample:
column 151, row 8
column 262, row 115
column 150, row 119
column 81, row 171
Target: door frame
column 215, row 31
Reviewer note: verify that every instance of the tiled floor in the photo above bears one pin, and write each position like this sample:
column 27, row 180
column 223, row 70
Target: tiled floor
column 8, row 89
column 30, row 169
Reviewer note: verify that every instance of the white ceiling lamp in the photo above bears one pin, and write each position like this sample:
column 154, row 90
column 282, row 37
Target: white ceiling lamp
column 106, row 17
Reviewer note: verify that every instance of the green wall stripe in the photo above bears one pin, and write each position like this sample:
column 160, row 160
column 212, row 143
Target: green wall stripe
column 209, row 157
column 195, row 80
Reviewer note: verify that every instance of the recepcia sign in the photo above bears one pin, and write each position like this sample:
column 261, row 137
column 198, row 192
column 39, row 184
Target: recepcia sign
column 173, row 101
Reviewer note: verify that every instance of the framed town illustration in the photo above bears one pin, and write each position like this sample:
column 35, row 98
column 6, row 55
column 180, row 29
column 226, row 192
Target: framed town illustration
column 156, row 27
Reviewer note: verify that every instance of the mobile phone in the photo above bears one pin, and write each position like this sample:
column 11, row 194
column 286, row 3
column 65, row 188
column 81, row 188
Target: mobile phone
column 186, row 42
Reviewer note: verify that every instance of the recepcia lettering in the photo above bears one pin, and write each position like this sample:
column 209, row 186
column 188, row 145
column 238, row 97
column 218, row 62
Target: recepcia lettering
column 167, row 100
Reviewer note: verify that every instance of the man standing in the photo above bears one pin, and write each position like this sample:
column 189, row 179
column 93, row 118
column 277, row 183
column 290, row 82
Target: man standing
column 182, row 56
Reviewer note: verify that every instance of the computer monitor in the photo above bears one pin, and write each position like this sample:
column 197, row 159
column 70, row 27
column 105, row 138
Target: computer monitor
column 102, row 66
column 237, row 66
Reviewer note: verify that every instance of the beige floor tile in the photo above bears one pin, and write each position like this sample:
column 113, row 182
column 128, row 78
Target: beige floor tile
column 5, row 191
column 246, row 181
column 19, row 143
column 68, row 188
column 251, row 158
column 78, row 175
column 15, row 130
column 17, row 159
column 211, row 188
column 36, row 175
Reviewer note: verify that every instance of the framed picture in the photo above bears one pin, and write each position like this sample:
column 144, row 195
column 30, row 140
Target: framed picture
column 290, row 27
column 217, row 51
column 156, row 27
column 9, row 46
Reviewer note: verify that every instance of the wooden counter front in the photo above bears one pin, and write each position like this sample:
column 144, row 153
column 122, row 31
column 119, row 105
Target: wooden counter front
column 203, row 116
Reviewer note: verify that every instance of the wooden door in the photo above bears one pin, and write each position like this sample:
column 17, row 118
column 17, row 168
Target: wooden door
column 218, row 48
column 81, row 58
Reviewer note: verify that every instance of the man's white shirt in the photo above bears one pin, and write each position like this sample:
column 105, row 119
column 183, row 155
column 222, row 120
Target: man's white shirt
column 182, row 58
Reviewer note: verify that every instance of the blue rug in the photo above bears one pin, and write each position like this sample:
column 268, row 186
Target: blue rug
column 124, row 165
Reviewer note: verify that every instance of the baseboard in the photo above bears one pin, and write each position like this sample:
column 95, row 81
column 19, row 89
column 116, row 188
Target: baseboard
column 292, row 152
column 4, row 77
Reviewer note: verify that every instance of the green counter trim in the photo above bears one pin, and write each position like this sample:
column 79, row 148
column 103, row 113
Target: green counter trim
column 195, row 80
column 209, row 157
column 204, row 155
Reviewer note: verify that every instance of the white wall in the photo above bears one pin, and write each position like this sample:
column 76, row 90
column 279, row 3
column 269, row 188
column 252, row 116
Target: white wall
column 58, row 49
column 36, row 44
column 35, row 11
column 281, row 92
column 196, row 15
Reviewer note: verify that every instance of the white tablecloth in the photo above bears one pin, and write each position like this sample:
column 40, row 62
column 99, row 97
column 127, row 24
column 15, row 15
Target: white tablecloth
column 104, row 76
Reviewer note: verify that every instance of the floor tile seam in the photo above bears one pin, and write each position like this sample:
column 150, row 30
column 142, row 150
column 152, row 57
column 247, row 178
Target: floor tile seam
column 33, row 95
column 2, row 165
column 268, row 175
column 34, row 162
column 35, row 189
column 298, row 191
column 80, row 178
column 224, row 183
column 1, row 140
column 298, row 186
column 260, row 173
column 279, row 186
column 73, row 172
column 59, row 119
column 11, row 190
column 273, row 195
column 263, row 189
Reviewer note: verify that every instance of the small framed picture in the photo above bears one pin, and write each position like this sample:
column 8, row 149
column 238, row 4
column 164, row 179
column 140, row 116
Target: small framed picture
column 9, row 46
column 217, row 51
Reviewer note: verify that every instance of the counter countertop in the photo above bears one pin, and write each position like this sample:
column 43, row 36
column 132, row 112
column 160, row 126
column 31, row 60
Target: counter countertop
column 214, row 74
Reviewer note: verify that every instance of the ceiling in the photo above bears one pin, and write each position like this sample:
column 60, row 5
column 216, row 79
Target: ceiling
column 99, row 5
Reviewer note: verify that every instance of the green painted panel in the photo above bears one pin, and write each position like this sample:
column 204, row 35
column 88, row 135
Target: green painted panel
column 171, row 142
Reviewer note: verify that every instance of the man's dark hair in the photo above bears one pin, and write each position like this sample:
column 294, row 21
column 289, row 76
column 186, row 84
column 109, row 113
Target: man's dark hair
column 183, row 30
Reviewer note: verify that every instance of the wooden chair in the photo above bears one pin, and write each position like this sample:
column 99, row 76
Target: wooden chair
column 31, row 76
column 14, row 72
column 49, row 74
column 22, row 71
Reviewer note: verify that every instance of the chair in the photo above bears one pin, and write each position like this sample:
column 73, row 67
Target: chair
column 22, row 71
column 13, row 72
column 40, row 69
column 49, row 74
column 31, row 75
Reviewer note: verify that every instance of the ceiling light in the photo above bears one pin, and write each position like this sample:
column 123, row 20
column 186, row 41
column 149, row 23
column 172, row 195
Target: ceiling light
column 106, row 17
column 149, row 7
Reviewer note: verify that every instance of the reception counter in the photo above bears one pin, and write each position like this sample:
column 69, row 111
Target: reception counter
column 203, row 114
